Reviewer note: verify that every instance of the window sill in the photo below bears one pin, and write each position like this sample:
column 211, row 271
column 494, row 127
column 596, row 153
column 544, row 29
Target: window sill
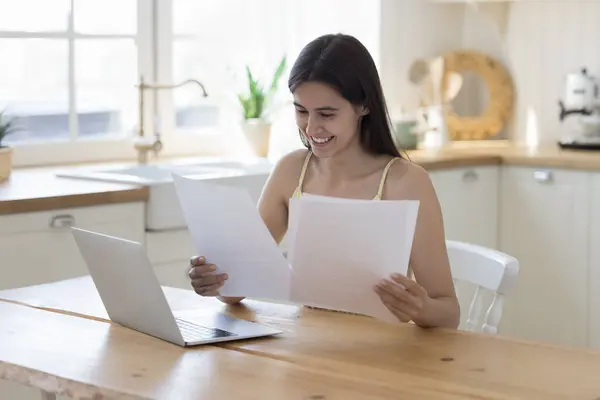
column 208, row 143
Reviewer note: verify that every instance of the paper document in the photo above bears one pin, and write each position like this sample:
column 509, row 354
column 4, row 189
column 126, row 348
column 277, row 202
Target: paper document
column 227, row 229
column 341, row 248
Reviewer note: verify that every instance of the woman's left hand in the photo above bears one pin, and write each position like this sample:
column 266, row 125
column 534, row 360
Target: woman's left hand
column 404, row 297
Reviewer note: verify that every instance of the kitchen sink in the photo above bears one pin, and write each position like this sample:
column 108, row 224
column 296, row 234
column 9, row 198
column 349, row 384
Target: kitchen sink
column 153, row 174
column 163, row 211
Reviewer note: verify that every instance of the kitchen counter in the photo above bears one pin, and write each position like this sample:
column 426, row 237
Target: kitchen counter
column 39, row 189
column 30, row 190
column 478, row 153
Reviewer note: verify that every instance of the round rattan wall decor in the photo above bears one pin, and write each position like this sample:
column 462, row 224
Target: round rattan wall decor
column 501, row 95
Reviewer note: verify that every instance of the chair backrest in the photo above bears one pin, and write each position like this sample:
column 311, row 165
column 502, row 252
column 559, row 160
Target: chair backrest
column 486, row 269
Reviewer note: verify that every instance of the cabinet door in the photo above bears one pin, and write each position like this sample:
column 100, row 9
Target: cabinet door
column 594, row 281
column 174, row 274
column 544, row 224
column 469, row 201
column 170, row 252
column 38, row 247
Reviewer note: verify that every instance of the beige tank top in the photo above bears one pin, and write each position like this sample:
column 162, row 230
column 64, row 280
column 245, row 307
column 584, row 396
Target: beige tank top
column 378, row 196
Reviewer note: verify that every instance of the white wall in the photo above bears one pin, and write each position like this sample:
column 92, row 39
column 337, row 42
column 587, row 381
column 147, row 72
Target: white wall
column 540, row 41
column 412, row 29
column 409, row 29
column 546, row 40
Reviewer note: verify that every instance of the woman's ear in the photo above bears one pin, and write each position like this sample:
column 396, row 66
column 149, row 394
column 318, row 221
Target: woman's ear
column 363, row 110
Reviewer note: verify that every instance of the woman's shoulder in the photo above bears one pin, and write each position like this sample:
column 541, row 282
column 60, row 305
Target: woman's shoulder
column 291, row 163
column 407, row 180
column 293, row 159
column 286, row 171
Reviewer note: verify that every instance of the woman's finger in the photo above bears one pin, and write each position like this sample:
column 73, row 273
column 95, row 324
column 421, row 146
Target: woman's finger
column 388, row 301
column 197, row 260
column 211, row 290
column 202, row 270
column 410, row 285
column 399, row 314
column 401, row 294
column 397, row 306
column 209, row 280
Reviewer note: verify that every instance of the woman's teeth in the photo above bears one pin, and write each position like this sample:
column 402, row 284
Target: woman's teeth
column 321, row 140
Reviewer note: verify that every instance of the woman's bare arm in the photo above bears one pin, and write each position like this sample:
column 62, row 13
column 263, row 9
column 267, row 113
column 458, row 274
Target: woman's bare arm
column 429, row 257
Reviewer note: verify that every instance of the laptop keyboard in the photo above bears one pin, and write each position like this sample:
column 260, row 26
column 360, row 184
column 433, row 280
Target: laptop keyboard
column 192, row 332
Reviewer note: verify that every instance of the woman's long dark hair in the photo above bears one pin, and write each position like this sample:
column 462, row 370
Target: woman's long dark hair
column 343, row 62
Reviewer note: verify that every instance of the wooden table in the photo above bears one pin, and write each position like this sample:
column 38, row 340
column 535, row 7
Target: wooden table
column 57, row 337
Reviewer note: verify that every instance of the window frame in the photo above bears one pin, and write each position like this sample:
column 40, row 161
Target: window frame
column 155, row 39
column 206, row 141
column 154, row 48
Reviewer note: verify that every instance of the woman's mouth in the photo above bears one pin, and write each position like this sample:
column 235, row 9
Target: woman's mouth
column 320, row 141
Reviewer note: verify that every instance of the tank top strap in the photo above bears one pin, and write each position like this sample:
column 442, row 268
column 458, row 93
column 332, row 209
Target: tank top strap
column 298, row 190
column 379, row 195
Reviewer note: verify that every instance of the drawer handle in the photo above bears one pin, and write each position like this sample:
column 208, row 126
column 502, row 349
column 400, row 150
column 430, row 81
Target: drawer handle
column 62, row 221
column 542, row 176
column 470, row 175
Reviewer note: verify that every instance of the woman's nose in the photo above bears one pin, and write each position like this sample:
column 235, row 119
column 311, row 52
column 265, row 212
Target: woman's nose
column 312, row 126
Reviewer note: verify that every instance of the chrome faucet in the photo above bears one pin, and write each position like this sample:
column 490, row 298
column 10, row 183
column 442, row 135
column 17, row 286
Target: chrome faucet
column 143, row 147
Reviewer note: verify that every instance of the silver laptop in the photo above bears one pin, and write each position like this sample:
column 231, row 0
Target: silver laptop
column 133, row 296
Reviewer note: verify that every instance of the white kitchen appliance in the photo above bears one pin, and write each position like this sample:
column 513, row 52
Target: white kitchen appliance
column 582, row 100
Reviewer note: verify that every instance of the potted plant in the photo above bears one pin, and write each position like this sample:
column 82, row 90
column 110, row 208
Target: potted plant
column 255, row 104
column 7, row 126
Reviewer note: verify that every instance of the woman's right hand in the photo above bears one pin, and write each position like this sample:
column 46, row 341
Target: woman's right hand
column 203, row 278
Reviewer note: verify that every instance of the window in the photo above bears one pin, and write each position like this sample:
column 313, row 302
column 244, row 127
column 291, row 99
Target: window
column 213, row 40
column 70, row 68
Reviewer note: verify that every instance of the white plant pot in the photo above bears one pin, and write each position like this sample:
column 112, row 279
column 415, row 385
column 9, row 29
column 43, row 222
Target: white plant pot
column 5, row 162
column 258, row 135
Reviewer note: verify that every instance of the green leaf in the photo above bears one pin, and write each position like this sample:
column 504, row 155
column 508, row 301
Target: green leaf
column 7, row 126
column 278, row 72
column 255, row 101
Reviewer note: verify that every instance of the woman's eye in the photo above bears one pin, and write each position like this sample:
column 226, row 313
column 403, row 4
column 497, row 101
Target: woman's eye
column 301, row 111
column 327, row 115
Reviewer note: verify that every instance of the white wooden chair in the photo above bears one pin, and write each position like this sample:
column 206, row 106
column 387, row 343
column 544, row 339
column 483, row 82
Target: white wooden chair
column 486, row 269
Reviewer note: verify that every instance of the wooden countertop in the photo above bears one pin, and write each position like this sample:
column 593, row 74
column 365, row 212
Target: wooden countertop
column 38, row 189
column 502, row 152
column 320, row 355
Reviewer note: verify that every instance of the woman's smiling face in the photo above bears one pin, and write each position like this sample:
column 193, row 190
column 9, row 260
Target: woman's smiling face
column 327, row 121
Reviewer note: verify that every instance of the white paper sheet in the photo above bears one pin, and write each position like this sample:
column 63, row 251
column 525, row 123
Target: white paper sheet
column 227, row 229
column 341, row 248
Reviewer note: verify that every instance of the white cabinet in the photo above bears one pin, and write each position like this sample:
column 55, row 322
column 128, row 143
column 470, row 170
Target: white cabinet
column 594, row 246
column 468, row 197
column 38, row 247
column 170, row 252
column 545, row 223
column 469, row 201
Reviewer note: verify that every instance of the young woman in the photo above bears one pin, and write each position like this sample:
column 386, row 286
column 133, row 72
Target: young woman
column 343, row 121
